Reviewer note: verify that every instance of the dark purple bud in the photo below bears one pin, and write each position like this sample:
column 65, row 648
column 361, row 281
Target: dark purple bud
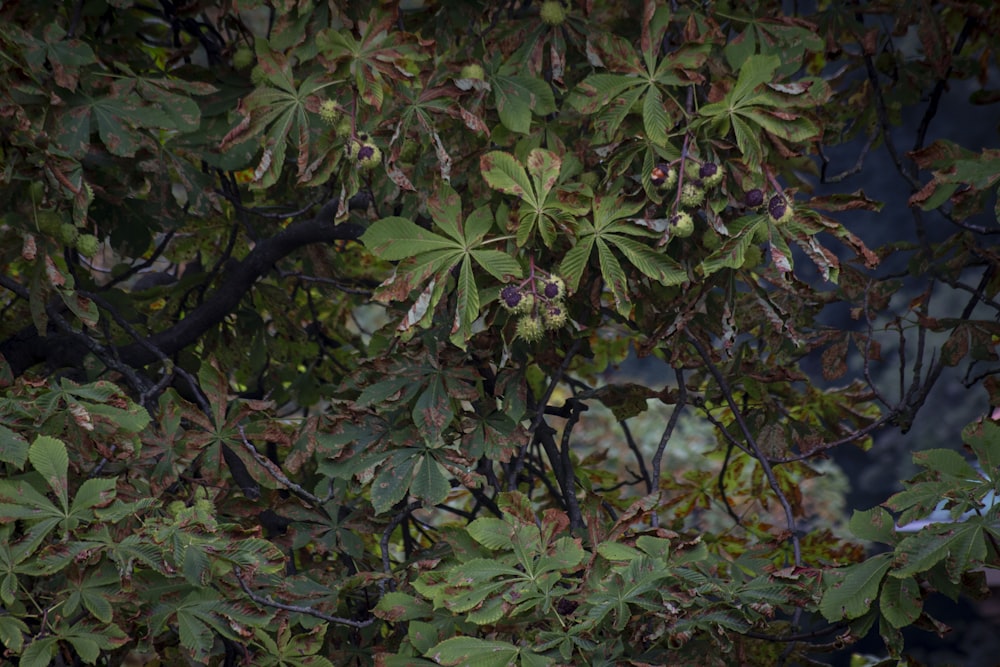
column 708, row 170
column 511, row 296
column 551, row 290
column 659, row 174
column 776, row 207
column 365, row 152
column 754, row 198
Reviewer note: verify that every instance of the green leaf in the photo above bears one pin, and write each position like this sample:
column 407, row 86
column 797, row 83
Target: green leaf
column 395, row 238
column 575, row 261
column 517, row 96
column 491, row 533
column 393, row 480
column 654, row 117
column 614, row 278
column 498, row 264
column 504, row 173
column 984, row 439
column 445, row 207
column 875, row 524
column 12, row 631
column 473, row 652
column 544, row 167
column 395, row 606
column 430, row 482
column 92, row 492
column 432, row 412
column 39, row 652
column 49, row 457
column 13, row 448
column 854, row 589
column 618, row 551
column 962, row 544
column 900, row 601
column 656, row 265
column 598, row 90
column 754, row 71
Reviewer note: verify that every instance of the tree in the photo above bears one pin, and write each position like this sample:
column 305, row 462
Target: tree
column 306, row 306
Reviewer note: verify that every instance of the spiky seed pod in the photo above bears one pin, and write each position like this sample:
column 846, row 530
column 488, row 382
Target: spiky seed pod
column 779, row 209
column 754, row 198
column 369, row 156
column 87, row 245
column 530, row 328
column 258, row 76
column 552, row 12
column 49, row 222
column 682, row 225
column 553, row 287
column 68, row 233
column 527, row 303
column 710, row 174
column 473, row 71
column 510, row 297
column 329, row 112
column 711, row 239
column 663, row 176
column 353, row 146
column 692, row 195
column 752, row 257
column 242, row 58
column 554, row 315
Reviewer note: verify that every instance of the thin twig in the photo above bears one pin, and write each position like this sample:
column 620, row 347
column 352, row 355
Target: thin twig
column 267, row 601
column 758, row 454
column 384, row 542
column 665, row 437
column 275, row 472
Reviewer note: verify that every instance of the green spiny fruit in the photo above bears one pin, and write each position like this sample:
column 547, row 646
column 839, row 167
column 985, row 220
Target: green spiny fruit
column 752, row 257
column 552, row 13
column 258, row 76
column 554, row 315
column 49, row 222
column 329, row 112
column 530, row 328
column 68, row 233
column 692, row 195
column 473, row 71
column 87, row 245
column 682, row 225
column 242, row 58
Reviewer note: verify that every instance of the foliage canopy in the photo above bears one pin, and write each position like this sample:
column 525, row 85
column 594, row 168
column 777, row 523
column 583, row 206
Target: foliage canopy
column 308, row 308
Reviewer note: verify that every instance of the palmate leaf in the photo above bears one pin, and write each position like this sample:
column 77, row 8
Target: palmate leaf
column 542, row 203
column 854, row 588
column 433, row 256
column 961, row 545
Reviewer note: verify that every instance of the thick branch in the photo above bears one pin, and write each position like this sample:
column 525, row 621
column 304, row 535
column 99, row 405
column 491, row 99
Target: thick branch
column 27, row 348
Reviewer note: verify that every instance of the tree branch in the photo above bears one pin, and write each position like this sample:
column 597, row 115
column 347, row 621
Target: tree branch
column 27, row 347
